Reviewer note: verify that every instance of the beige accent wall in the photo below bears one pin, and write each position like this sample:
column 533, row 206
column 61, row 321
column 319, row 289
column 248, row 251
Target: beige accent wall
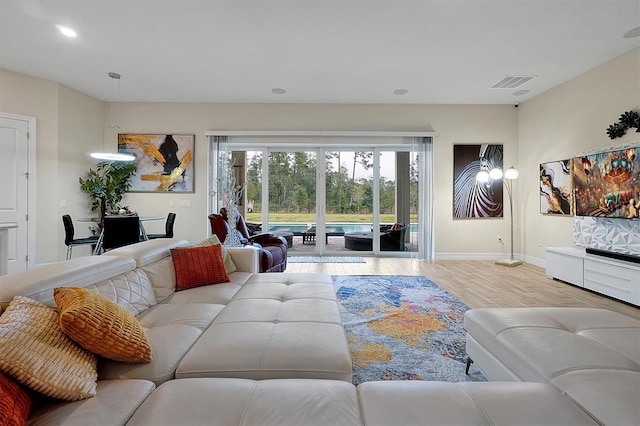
column 35, row 97
column 455, row 124
column 80, row 131
column 67, row 123
column 562, row 122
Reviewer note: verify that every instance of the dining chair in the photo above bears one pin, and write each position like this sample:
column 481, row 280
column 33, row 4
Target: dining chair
column 69, row 236
column 118, row 231
column 168, row 228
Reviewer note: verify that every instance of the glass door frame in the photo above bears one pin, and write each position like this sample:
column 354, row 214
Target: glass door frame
column 420, row 142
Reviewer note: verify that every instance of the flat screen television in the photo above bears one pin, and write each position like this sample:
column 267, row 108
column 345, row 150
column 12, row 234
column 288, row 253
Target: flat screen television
column 607, row 184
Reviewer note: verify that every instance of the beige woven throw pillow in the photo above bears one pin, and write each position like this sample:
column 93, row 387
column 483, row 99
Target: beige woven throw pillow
column 101, row 326
column 229, row 266
column 39, row 355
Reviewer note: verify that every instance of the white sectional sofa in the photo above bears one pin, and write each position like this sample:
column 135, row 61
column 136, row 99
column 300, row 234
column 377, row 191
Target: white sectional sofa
column 592, row 356
column 261, row 349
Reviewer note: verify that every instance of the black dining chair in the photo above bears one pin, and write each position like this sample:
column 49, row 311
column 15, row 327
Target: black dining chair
column 119, row 231
column 69, row 236
column 168, row 228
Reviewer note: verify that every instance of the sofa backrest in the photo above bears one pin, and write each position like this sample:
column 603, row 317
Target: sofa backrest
column 153, row 257
column 130, row 276
column 38, row 283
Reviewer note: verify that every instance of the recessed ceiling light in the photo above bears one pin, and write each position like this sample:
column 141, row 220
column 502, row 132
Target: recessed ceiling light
column 634, row 32
column 66, row 31
column 520, row 92
column 278, row 91
column 400, row 92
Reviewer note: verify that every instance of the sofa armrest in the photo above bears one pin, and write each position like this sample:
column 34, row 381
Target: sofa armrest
column 268, row 239
column 245, row 258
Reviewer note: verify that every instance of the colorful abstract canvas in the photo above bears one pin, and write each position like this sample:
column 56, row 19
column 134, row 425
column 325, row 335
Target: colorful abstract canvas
column 473, row 199
column 556, row 188
column 164, row 163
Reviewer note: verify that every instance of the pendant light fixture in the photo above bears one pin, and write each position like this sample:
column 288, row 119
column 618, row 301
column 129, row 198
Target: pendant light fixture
column 112, row 156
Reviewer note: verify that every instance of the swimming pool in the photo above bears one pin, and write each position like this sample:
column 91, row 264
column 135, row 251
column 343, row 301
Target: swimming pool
column 298, row 228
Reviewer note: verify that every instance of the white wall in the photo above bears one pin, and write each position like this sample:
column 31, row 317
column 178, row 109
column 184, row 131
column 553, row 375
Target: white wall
column 562, row 122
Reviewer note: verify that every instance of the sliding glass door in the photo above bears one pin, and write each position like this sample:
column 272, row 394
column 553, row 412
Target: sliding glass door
column 329, row 200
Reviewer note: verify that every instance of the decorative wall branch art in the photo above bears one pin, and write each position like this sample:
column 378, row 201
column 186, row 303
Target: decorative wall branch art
column 472, row 199
column 164, row 163
column 628, row 120
column 556, row 188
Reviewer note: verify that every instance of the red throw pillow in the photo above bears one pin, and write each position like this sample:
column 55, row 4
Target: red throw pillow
column 198, row 266
column 15, row 403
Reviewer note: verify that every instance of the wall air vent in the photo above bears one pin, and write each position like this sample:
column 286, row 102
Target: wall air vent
column 512, row 81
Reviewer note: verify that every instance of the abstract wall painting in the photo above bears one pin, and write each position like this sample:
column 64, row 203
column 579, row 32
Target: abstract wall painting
column 472, row 199
column 164, row 163
column 556, row 188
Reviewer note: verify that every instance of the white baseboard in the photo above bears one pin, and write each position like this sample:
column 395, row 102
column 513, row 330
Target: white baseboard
column 489, row 256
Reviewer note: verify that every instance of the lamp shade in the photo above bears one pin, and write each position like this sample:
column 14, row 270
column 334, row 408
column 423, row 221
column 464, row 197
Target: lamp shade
column 482, row 176
column 495, row 173
column 511, row 173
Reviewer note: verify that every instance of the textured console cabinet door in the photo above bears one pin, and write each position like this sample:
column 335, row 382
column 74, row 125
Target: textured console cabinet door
column 620, row 280
column 566, row 264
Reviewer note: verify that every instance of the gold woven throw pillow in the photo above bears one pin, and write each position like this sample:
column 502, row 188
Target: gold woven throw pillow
column 39, row 355
column 101, row 326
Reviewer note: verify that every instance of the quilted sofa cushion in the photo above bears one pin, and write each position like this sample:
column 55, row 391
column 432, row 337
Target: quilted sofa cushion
column 438, row 403
column 249, row 402
column 591, row 355
column 114, row 404
column 280, row 326
column 172, row 330
column 539, row 344
column 153, row 257
column 132, row 290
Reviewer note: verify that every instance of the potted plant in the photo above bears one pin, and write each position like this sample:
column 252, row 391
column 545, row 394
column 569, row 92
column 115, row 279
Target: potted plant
column 106, row 185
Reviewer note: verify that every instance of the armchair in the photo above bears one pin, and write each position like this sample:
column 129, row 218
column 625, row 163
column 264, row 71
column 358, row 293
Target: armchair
column 273, row 250
column 393, row 239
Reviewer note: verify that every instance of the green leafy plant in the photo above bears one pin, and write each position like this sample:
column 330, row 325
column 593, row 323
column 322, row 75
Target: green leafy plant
column 106, row 185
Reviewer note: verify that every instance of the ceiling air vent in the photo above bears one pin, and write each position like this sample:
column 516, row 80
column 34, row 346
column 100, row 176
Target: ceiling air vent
column 512, row 81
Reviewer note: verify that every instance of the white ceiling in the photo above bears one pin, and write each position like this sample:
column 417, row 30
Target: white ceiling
column 319, row 51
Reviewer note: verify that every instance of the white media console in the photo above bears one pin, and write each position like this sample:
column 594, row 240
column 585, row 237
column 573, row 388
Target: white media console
column 612, row 277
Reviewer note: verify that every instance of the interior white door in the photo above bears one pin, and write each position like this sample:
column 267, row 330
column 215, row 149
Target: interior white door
column 14, row 189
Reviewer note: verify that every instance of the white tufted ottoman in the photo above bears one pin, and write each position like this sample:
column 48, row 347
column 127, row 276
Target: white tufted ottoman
column 275, row 328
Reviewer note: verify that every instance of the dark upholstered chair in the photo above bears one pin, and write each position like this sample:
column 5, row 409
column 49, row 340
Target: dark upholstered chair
column 273, row 250
column 69, row 236
column 168, row 228
column 393, row 239
column 119, row 231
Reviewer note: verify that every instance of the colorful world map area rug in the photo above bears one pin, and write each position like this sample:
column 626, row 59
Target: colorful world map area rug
column 403, row 328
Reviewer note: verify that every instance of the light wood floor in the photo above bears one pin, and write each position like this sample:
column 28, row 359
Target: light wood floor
column 479, row 283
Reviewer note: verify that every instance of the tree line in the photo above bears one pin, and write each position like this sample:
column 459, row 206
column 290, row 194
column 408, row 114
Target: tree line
column 292, row 183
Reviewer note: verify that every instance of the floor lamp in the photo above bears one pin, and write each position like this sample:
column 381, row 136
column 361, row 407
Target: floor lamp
column 509, row 176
